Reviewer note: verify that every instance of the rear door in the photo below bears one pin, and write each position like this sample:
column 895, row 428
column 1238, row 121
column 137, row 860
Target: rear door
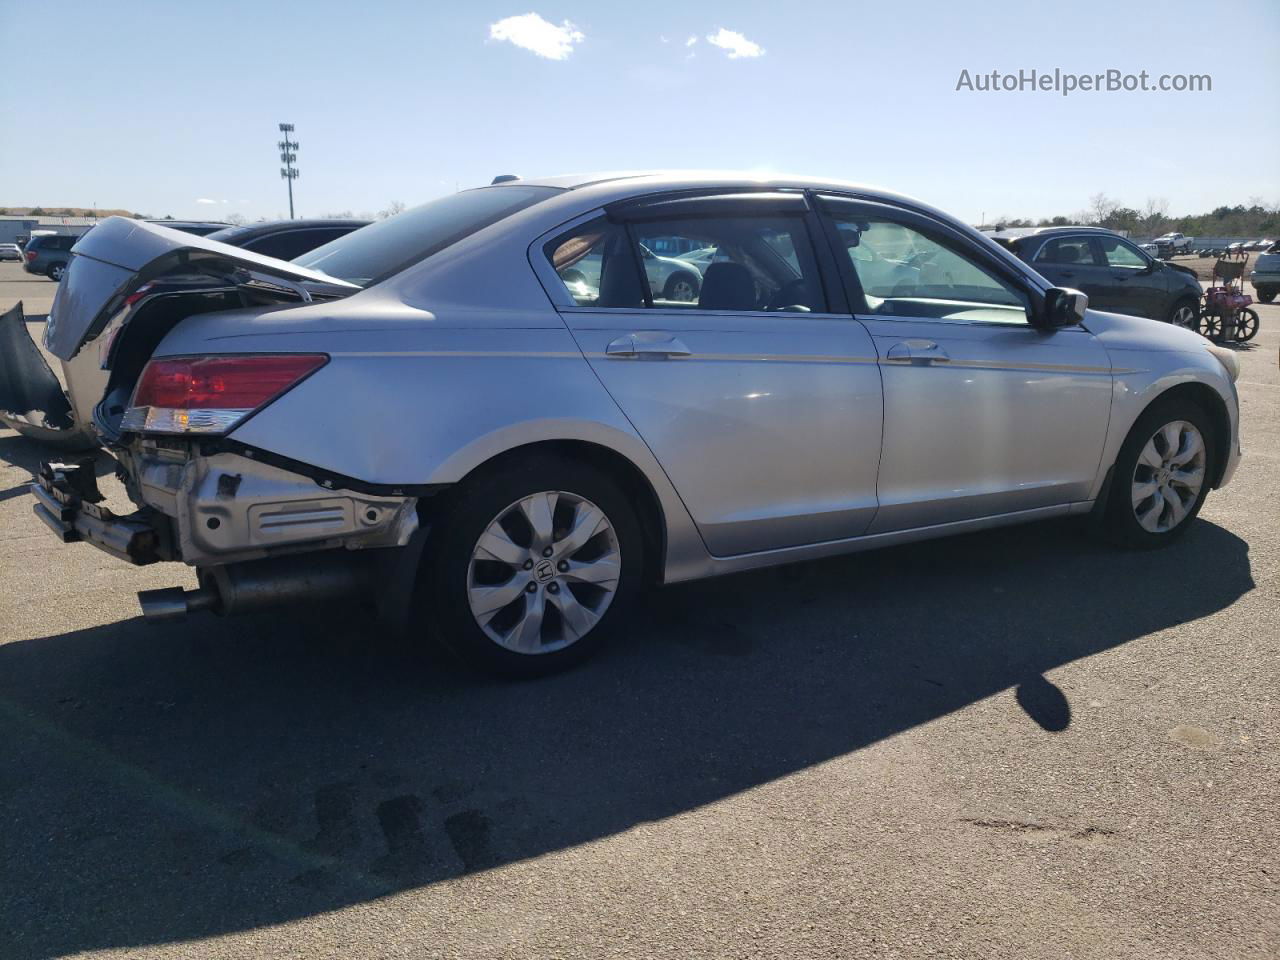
column 983, row 413
column 759, row 397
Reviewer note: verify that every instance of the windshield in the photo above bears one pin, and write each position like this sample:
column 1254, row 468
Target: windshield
column 385, row 248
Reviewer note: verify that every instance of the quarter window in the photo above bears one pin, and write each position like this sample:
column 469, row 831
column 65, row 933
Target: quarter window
column 906, row 272
column 597, row 266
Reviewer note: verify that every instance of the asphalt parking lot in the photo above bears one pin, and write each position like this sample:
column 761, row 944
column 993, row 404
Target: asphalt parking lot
column 1015, row 744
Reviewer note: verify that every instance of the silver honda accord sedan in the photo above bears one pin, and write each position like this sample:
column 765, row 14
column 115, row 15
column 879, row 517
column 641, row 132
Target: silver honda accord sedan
column 444, row 414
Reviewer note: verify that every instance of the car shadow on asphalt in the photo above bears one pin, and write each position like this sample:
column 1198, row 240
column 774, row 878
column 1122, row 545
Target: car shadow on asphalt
column 162, row 783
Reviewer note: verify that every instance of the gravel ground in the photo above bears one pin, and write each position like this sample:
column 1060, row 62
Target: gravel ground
column 1017, row 744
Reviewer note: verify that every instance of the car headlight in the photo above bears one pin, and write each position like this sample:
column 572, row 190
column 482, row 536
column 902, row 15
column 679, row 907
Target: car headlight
column 1230, row 362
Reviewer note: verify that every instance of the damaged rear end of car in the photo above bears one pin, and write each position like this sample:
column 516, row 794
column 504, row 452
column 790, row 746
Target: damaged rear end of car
column 258, row 529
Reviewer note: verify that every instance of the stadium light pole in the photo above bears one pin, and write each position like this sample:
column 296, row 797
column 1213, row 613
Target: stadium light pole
column 288, row 154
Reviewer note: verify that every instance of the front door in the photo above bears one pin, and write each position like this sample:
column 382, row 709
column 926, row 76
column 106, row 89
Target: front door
column 983, row 413
column 760, row 402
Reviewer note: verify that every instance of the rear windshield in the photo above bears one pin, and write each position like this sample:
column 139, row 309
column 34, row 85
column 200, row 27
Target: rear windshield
column 385, row 248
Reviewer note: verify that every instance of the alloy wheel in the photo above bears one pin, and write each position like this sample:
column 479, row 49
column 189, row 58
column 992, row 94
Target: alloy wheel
column 544, row 572
column 682, row 291
column 1168, row 476
column 1186, row 316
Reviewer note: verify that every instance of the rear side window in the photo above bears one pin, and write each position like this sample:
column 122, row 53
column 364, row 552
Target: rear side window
column 1076, row 250
column 385, row 248
column 293, row 243
column 722, row 263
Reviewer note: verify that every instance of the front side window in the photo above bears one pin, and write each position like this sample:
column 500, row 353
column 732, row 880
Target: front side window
column 739, row 263
column 906, row 272
column 1120, row 254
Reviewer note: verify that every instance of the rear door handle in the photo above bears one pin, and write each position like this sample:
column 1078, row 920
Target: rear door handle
column 917, row 352
column 646, row 345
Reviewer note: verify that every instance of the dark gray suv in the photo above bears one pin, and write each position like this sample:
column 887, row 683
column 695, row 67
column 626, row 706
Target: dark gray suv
column 48, row 255
column 1117, row 275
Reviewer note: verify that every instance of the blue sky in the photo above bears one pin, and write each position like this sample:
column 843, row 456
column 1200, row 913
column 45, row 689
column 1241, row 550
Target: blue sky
column 151, row 106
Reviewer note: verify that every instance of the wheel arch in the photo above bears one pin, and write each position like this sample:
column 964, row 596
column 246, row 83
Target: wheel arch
column 628, row 475
column 1212, row 403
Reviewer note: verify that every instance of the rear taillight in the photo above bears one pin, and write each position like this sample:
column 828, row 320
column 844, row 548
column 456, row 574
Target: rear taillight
column 212, row 394
column 31, row 256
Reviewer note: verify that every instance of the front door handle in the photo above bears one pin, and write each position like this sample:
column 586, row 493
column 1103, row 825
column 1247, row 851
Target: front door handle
column 917, row 352
column 646, row 345
column 1066, row 273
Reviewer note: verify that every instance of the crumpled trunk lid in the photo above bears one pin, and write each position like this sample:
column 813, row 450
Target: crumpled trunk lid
column 118, row 269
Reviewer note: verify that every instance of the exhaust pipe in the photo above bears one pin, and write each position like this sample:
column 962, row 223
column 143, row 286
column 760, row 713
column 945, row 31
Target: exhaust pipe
column 261, row 584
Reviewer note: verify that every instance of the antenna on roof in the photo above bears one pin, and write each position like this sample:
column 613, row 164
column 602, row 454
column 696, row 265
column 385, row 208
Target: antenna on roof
column 504, row 178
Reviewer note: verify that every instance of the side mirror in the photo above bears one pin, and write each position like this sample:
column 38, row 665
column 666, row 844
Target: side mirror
column 1063, row 307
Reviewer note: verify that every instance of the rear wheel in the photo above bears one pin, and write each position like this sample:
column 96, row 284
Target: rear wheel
column 531, row 566
column 1161, row 475
column 55, row 271
column 1266, row 294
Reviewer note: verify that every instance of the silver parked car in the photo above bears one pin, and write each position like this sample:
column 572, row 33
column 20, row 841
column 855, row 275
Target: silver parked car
column 425, row 413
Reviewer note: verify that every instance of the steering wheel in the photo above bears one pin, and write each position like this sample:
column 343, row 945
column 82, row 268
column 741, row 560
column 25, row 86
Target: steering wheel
column 790, row 296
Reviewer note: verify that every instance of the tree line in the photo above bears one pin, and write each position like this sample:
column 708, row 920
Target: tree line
column 1254, row 219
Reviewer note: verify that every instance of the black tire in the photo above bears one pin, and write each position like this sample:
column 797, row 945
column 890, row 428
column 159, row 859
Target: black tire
column 466, row 513
column 1120, row 524
column 1192, row 319
column 1246, row 325
column 678, row 282
column 1266, row 294
column 54, row 271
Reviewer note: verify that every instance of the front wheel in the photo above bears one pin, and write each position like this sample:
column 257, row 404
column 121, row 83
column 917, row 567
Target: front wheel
column 530, row 567
column 1185, row 313
column 681, row 287
column 1161, row 475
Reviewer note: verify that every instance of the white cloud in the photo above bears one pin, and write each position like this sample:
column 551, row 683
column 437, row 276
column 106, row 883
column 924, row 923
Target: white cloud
column 691, row 41
column 530, row 32
column 735, row 44
column 205, row 200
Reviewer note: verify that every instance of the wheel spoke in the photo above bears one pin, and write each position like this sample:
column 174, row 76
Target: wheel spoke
column 577, row 619
column 1172, row 433
column 602, row 572
column 1150, row 456
column 586, row 524
column 1176, row 510
column 1192, row 480
column 540, row 510
column 1193, row 448
column 526, row 635
column 498, row 546
column 1150, row 518
column 1141, row 491
column 486, row 601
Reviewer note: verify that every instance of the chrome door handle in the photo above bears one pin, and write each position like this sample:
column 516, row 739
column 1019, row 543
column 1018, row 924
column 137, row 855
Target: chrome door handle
column 646, row 345
column 917, row 352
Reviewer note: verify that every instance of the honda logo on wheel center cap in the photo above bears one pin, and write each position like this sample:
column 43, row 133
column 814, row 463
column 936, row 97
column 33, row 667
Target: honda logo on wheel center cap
column 544, row 571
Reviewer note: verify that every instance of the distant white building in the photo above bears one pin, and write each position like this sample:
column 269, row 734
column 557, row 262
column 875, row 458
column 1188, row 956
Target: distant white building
column 19, row 229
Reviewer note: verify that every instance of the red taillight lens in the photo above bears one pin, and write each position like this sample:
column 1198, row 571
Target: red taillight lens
column 31, row 256
column 212, row 394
